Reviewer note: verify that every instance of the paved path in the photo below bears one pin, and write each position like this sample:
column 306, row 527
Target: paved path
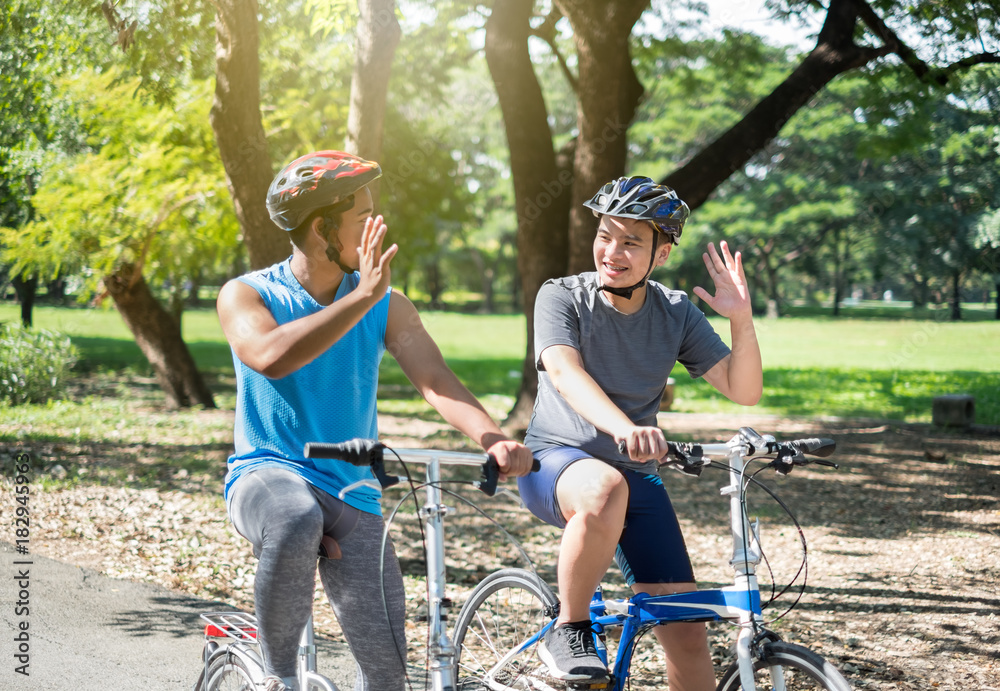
column 88, row 632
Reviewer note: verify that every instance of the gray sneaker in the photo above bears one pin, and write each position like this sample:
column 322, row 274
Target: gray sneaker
column 273, row 684
column 570, row 655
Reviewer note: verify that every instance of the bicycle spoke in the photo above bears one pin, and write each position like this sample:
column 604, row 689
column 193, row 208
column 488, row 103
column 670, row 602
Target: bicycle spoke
column 500, row 616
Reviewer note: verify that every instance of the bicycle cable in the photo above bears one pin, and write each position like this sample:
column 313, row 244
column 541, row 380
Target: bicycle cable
column 763, row 555
column 803, row 564
column 510, row 538
column 400, row 654
column 413, row 490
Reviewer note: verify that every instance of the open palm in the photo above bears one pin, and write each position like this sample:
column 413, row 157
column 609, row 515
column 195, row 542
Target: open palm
column 732, row 296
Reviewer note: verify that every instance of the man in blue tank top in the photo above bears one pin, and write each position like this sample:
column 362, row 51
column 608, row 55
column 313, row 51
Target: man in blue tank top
column 307, row 337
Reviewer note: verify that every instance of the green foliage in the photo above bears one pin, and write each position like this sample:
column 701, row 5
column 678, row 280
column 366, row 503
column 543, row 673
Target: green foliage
column 149, row 192
column 305, row 82
column 695, row 90
column 331, row 16
column 879, row 183
column 33, row 365
column 37, row 42
column 173, row 42
column 938, row 195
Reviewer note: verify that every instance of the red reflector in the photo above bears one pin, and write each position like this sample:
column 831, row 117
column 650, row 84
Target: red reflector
column 213, row 631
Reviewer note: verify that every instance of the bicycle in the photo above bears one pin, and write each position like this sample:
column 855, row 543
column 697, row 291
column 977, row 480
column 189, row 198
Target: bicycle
column 510, row 610
column 238, row 665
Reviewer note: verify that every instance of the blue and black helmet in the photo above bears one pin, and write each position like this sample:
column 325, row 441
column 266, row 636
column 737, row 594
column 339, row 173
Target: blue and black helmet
column 644, row 200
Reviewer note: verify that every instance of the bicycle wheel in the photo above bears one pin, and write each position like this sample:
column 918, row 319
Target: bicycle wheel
column 229, row 673
column 800, row 669
column 504, row 610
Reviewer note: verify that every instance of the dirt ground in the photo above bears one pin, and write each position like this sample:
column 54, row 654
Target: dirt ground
column 903, row 539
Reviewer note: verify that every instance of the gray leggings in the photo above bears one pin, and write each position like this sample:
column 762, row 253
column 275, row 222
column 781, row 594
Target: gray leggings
column 285, row 517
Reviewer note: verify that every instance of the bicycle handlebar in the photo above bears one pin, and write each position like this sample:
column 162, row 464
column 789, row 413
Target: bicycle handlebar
column 690, row 458
column 371, row 452
column 358, row 452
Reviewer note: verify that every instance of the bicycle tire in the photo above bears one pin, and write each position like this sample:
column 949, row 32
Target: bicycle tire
column 803, row 670
column 229, row 673
column 505, row 609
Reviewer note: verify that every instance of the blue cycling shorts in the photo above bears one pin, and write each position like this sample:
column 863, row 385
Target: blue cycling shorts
column 651, row 548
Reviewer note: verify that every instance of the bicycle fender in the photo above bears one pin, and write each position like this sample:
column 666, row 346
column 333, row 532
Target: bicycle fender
column 250, row 659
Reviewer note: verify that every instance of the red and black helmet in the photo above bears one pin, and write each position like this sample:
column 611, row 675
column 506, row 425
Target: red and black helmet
column 315, row 181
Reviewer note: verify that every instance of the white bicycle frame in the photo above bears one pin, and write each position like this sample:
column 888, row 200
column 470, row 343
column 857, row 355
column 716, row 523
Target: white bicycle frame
column 440, row 649
column 746, row 551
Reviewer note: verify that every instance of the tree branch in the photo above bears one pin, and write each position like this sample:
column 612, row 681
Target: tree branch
column 547, row 32
column 893, row 42
column 166, row 209
column 970, row 61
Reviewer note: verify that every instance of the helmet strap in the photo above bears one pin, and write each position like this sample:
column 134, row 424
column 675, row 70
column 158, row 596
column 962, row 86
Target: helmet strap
column 627, row 292
column 333, row 254
column 333, row 228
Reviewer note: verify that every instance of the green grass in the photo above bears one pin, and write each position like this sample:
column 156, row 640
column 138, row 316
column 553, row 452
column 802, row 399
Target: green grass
column 876, row 344
column 867, row 366
column 898, row 395
column 485, row 351
column 877, row 309
column 107, row 345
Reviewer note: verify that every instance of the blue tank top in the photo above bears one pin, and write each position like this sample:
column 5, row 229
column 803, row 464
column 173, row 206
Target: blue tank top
column 331, row 399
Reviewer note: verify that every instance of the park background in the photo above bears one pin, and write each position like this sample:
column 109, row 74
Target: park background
column 851, row 153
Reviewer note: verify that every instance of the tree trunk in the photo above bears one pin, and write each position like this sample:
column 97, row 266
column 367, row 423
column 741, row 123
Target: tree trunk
column 771, row 275
column 921, row 293
column 487, row 277
column 541, row 187
column 25, row 288
column 378, row 34
column 434, row 281
column 239, row 133
column 56, row 289
column 838, row 294
column 834, row 54
column 956, row 296
column 159, row 338
column 608, row 93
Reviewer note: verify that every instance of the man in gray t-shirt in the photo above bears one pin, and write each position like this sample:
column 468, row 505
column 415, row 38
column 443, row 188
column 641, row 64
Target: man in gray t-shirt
column 629, row 356
column 605, row 343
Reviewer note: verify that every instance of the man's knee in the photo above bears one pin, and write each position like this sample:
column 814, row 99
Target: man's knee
column 594, row 488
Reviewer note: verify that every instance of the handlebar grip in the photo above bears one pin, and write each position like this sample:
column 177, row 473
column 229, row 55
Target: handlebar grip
column 491, row 474
column 673, row 449
column 361, row 452
column 815, row 447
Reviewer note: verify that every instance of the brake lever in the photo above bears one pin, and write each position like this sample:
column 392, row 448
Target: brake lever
column 504, row 492
column 786, row 460
column 367, row 482
column 692, row 469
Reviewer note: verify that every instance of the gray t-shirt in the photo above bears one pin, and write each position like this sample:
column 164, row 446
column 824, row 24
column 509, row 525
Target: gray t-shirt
column 630, row 357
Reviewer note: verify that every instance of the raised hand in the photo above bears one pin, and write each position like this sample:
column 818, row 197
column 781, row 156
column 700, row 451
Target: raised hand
column 374, row 263
column 732, row 296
